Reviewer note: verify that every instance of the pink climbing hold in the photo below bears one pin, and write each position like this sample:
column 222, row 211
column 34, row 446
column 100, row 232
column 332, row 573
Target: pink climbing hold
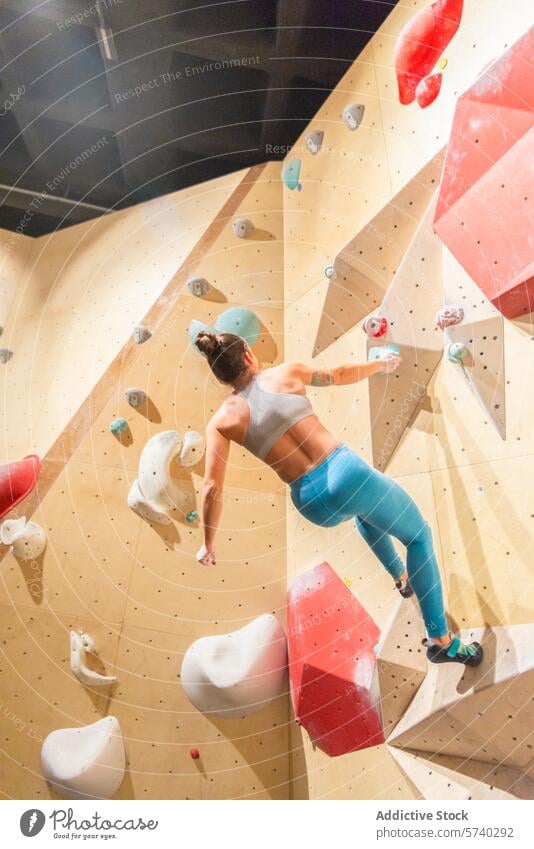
column 332, row 664
column 428, row 89
column 195, row 754
column 421, row 43
column 17, row 481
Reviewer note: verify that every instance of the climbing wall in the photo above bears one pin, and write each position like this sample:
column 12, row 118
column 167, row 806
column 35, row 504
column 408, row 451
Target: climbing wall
column 136, row 589
column 472, row 484
column 78, row 293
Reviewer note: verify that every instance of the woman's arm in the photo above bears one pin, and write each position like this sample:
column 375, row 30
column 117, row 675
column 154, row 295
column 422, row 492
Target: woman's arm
column 344, row 374
column 217, row 451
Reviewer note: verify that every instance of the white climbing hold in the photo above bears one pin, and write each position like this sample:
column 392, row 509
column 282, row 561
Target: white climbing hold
column 330, row 272
column 86, row 762
column 27, row 539
column 155, row 479
column 314, row 141
column 242, row 227
column 237, row 673
column 80, row 644
column 141, row 334
column 135, row 397
column 139, row 504
column 353, row 115
column 5, row 355
column 192, row 449
column 198, row 286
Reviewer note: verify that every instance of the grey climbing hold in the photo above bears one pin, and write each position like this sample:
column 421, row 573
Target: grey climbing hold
column 314, row 141
column 141, row 334
column 5, row 355
column 456, row 352
column 135, row 397
column 198, row 286
column 118, row 426
column 242, row 227
column 330, row 272
column 353, row 115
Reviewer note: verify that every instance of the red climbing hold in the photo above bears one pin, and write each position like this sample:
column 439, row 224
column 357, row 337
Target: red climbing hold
column 422, row 41
column 332, row 664
column 17, row 481
column 428, row 89
column 484, row 209
column 195, row 754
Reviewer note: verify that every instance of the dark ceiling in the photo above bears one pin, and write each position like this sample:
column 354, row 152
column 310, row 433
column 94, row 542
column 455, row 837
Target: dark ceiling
column 106, row 103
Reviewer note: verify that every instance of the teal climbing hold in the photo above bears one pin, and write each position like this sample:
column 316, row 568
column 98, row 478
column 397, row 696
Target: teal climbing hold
column 118, row 426
column 456, row 352
column 291, row 174
column 240, row 321
column 192, row 516
column 378, row 352
column 194, row 329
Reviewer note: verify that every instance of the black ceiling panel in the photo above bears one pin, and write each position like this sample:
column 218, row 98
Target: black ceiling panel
column 105, row 103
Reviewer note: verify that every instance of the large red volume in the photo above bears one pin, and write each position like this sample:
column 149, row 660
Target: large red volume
column 17, row 481
column 422, row 41
column 486, row 203
column 332, row 664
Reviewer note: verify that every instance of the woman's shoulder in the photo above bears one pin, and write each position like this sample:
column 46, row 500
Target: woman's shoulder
column 232, row 409
column 283, row 378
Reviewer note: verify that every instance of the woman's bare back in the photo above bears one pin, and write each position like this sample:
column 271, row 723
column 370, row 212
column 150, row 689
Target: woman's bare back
column 300, row 448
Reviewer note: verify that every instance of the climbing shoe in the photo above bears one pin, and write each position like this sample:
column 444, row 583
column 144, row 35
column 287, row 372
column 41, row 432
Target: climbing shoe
column 456, row 652
column 404, row 587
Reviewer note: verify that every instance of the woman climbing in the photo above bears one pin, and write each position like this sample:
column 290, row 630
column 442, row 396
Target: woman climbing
column 269, row 414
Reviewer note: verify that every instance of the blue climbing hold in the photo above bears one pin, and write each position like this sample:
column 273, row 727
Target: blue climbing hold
column 240, row 321
column 118, row 426
column 378, row 352
column 456, row 352
column 192, row 516
column 291, row 174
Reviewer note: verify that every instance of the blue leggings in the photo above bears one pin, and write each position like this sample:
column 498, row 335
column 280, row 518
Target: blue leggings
column 345, row 487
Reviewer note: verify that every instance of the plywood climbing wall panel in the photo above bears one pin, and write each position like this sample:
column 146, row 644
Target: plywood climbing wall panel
column 343, row 187
column 485, row 717
column 437, row 782
column 82, row 291
column 409, row 307
column 450, row 435
column 368, row 262
column 138, row 589
column 486, row 527
column 482, row 333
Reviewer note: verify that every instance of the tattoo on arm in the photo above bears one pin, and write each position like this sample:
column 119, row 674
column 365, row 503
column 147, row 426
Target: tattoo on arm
column 322, row 378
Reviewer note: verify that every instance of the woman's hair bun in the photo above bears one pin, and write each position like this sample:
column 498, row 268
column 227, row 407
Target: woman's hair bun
column 207, row 343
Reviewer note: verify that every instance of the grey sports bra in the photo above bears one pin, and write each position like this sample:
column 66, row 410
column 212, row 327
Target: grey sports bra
column 271, row 415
